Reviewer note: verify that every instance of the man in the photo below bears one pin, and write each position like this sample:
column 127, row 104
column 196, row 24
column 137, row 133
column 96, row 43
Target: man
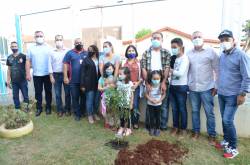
column 72, row 63
column 203, row 70
column 56, row 77
column 16, row 76
column 37, row 58
column 157, row 58
column 233, row 84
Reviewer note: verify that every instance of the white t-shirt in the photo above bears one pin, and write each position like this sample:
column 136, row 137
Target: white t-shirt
column 155, row 93
column 156, row 60
column 180, row 72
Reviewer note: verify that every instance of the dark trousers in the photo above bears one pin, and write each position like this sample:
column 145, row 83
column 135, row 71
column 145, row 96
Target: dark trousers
column 125, row 119
column 78, row 99
column 135, row 113
column 23, row 86
column 41, row 82
column 154, row 116
column 58, row 92
column 178, row 98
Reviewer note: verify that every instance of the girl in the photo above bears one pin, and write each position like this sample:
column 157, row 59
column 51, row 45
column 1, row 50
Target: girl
column 125, row 86
column 105, row 82
column 89, row 82
column 178, row 88
column 134, row 66
column 154, row 96
column 109, row 56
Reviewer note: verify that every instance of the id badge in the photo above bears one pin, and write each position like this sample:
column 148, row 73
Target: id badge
column 80, row 61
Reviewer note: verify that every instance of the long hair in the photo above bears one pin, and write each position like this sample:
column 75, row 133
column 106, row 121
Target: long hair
column 151, row 74
column 95, row 49
column 126, row 71
column 107, row 65
column 131, row 46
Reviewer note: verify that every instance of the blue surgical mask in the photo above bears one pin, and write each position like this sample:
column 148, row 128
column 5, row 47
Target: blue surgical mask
column 175, row 51
column 131, row 55
column 109, row 72
column 155, row 82
column 156, row 43
column 106, row 50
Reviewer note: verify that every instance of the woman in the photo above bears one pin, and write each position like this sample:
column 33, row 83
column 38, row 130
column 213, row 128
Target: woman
column 179, row 88
column 134, row 66
column 109, row 56
column 89, row 82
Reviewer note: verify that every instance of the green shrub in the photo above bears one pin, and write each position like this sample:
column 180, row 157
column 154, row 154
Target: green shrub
column 143, row 33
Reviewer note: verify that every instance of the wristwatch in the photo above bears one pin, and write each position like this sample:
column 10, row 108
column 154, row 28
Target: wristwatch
column 243, row 94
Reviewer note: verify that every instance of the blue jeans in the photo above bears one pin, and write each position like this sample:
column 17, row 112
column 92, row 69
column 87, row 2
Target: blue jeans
column 23, row 86
column 207, row 100
column 77, row 97
column 228, row 107
column 165, row 111
column 92, row 102
column 178, row 98
column 135, row 113
column 58, row 92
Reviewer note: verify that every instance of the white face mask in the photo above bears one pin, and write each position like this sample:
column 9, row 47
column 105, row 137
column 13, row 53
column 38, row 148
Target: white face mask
column 40, row 40
column 198, row 42
column 59, row 44
column 226, row 45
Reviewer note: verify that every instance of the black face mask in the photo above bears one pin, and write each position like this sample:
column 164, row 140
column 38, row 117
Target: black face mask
column 79, row 47
column 91, row 54
column 14, row 50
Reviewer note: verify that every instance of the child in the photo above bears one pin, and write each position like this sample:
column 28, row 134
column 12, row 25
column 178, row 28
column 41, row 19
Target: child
column 154, row 96
column 125, row 86
column 105, row 82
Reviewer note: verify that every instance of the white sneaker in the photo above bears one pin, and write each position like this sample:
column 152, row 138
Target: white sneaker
column 120, row 131
column 127, row 132
column 230, row 153
column 91, row 120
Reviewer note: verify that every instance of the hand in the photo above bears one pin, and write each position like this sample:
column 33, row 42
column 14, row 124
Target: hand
column 8, row 83
column 163, row 87
column 52, row 80
column 148, row 87
column 28, row 77
column 66, row 80
column 214, row 92
column 83, row 89
column 240, row 100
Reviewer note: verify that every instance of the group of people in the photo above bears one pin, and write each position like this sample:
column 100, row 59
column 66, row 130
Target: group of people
column 163, row 77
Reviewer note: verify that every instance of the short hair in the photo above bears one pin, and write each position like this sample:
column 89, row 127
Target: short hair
column 177, row 41
column 131, row 46
column 157, row 33
column 195, row 32
column 13, row 42
column 39, row 31
column 58, row 35
column 107, row 65
column 126, row 71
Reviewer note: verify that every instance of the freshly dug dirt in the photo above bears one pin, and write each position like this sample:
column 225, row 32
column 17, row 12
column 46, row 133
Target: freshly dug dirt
column 154, row 152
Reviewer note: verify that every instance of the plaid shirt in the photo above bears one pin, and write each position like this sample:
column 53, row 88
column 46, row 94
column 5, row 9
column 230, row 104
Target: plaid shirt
column 146, row 59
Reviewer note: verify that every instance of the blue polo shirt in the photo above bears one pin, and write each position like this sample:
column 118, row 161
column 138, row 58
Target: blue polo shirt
column 234, row 73
column 74, row 59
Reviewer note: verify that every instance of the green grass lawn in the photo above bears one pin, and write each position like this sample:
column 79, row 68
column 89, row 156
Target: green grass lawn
column 64, row 141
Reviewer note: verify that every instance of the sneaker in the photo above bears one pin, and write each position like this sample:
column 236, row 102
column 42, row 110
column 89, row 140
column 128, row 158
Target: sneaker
column 174, row 131
column 195, row 136
column 223, row 144
column 96, row 117
column 230, row 153
column 157, row 132
column 120, row 131
column 91, row 120
column 182, row 133
column 127, row 132
column 151, row 132
column 212, row 140
column 106, row 125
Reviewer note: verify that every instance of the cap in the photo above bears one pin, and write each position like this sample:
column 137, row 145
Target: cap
column 227, row 33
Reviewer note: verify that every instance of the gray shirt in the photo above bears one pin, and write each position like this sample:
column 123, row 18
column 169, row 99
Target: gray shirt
column 203, row 69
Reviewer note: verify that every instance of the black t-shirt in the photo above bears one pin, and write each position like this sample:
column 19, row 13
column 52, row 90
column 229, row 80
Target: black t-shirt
column 17, row 67
column 172, row 61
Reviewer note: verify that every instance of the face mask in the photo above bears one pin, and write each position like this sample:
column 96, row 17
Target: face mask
column 107, row 50
column 121, row 77
column 109, row 72
column 198, row 42
column 156, row 43
column 14, row 50
column 226, row 45
column 40, row 40
column 155, row 82
column 91, row 54
column 131, row 55
column 59, row 44
column 79, row 47
column 175, row 51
